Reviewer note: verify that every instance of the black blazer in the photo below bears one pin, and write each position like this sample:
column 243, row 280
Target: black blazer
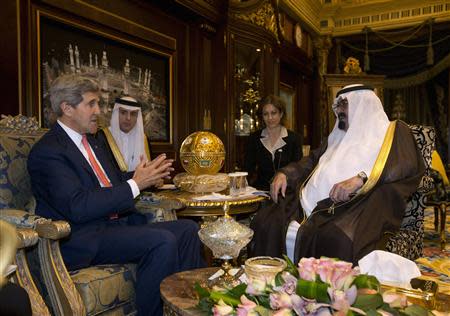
column 258, row 160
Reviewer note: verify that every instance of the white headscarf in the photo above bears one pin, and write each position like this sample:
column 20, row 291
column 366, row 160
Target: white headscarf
column 131, row 144
column 348, row 152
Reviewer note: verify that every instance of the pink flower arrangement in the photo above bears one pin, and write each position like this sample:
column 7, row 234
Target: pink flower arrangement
column 316, row 287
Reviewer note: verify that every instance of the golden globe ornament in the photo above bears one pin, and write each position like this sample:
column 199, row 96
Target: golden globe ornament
column 202, row 153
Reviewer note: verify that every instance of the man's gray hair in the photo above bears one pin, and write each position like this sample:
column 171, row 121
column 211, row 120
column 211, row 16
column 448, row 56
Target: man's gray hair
column 70, row 89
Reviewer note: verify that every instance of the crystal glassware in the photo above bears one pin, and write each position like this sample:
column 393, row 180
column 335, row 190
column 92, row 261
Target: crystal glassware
column 225, row 237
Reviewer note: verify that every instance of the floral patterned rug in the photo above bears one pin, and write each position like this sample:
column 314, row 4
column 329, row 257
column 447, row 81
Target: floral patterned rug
column 435, row 263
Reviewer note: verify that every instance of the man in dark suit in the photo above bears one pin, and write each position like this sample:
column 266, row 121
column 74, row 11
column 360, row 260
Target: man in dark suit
column 73, row 180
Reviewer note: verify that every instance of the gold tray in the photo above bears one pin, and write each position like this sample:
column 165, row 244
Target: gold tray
column 423, row 292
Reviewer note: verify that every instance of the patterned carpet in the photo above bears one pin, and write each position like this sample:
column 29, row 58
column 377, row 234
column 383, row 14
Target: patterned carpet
column 435, row 264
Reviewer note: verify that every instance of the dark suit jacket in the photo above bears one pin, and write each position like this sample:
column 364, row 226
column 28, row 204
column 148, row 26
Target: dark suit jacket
column 66, row 188
column 258, row 160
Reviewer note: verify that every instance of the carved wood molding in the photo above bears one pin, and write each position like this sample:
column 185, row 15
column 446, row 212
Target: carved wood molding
column 262, row 14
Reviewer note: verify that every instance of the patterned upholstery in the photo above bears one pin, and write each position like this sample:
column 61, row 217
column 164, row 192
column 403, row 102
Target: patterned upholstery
column 408, row 242
column 106, row 289
column 15, row 187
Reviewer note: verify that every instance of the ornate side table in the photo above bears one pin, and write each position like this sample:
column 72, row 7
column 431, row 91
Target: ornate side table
column 179, row 297
column 177, row 291
column 194, row 208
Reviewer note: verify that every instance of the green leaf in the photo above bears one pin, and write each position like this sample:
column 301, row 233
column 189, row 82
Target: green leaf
column 205, row 305
column 226, row 298
column 372, row 312
column 262, row 311
column 238, row 290
column 279, row 279
column 201, row 291
column 415, row 310
column 368, row 301
column 291, row 268
column 364, row 281
column 393, row 311
column 263, row 300
column 313, row 290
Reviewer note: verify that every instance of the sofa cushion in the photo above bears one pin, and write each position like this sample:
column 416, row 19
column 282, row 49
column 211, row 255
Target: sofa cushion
column 105, row 287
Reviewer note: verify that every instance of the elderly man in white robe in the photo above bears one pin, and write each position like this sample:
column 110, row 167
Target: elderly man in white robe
column 340, row 200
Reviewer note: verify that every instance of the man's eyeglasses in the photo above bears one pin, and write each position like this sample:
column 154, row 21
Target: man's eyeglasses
column 340, row 103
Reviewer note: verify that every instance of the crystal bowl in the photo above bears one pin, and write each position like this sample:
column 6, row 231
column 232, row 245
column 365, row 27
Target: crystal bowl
column 225, row 237
column 263, row 267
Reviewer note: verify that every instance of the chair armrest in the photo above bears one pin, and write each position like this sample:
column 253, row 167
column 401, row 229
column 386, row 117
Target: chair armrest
column 53, row 230
column 45, row 228
column 20, row 218
column 27, row 237
column 158, row 208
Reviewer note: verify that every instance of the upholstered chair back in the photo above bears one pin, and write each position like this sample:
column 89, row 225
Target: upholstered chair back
column 15, row 143
column 408, row 242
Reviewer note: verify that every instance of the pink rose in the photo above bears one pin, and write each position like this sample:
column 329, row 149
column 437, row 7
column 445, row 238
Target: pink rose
column 395, row 299
column 246, row 308
column 307, row 268
column 283, row 312
column 343, row 275
column 325, row 269
column 280, row 300
column 222, row 309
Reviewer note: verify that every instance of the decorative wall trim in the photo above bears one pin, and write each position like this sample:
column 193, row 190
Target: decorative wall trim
column 345, row 17
column 264, row 16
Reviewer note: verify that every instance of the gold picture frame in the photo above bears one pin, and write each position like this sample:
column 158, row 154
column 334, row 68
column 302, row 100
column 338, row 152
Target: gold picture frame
column 123, row 65
column 289, row 96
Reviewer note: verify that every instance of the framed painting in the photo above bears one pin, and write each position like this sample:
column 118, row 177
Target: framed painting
column 288, row 95
column 120, row 65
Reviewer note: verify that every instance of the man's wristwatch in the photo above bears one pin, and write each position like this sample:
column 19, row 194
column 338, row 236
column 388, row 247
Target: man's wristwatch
column 363, row 176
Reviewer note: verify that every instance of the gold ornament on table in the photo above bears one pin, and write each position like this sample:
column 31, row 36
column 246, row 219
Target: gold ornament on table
column 225, row 237
column 202, row 155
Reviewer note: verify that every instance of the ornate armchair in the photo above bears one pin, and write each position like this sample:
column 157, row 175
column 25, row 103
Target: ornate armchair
column 439, row 199
column 408, row 242
column 106, row 289
column 13, row 245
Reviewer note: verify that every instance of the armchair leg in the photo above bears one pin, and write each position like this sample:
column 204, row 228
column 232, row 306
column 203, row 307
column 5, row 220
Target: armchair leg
column 24, row 279
column 436, row 218
column 442, row 217
column 64, row 296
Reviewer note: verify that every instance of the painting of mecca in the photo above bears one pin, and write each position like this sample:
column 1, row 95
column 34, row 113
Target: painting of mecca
column 121, row 69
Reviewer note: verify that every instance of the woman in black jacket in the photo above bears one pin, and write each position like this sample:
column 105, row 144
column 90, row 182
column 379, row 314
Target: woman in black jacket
column 272, row 147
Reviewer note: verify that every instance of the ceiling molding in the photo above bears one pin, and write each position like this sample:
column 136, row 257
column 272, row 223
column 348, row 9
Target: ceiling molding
column 306, row 11
column 346, row 17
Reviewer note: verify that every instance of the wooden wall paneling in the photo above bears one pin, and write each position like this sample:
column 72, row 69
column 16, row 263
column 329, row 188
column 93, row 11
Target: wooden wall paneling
column 213, row 10
column 9, row 55
column 220, row 105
